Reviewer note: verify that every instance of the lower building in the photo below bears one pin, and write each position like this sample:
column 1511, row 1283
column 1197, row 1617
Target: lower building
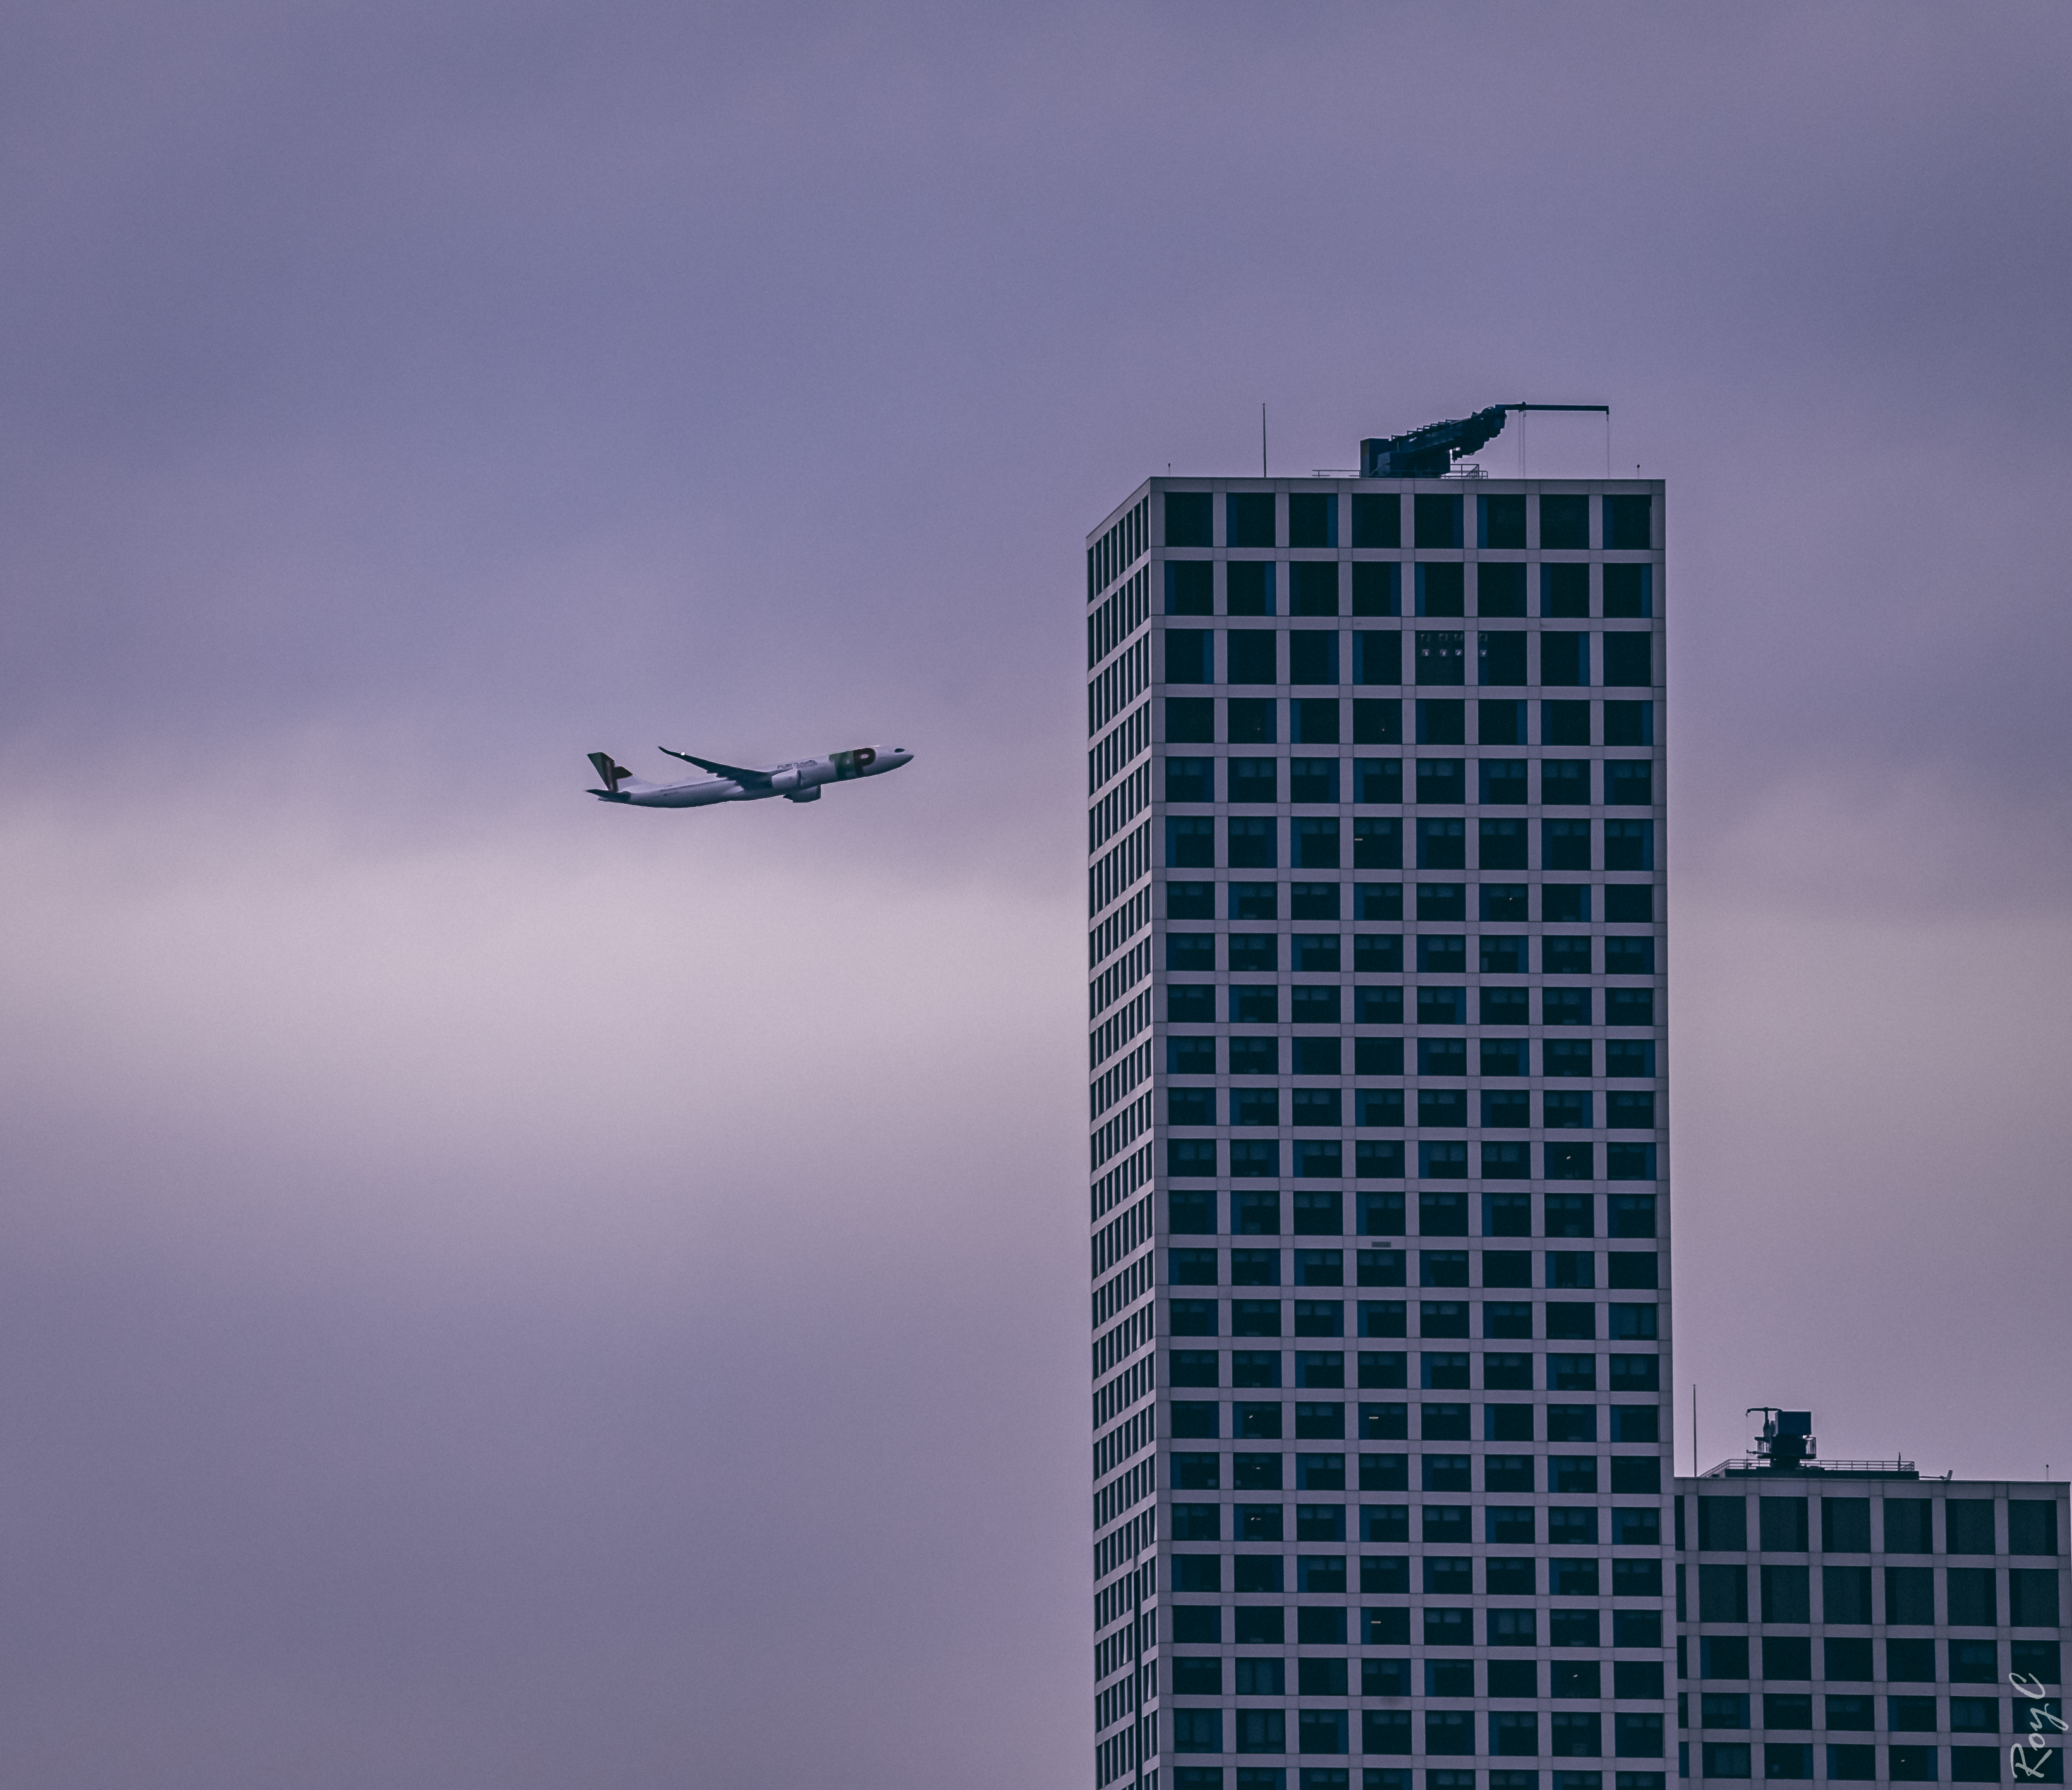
column 1851, row 1622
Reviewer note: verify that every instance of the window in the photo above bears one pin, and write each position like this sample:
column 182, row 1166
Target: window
column 1970, row 1595
column 2032, row 1526
column 1377, row 780
column 1564, row 658
column 1437, row 520
column 1503, row 1110
column 1563, row 955
column 1377, row 659
column 1845, row 1525
column 1501, row 845
column 1441, row 721
column 1636, row 1578
column 1504, row 1006
column 1442, row 589
column 1629, row 1006
column 1189, row 780
column 1968, row 1525
column 1440, row 656
column 1190, row 843
column 1187, row 518
column 1377, row 591
column 1190, row 900
column 1629, row 1057
column 2032, row 1598
column 1564, row 591
column 1314, row 843
column 1377, row 845
column 1248, row 518
column 1190, row 587
column 1974, row 1662
column 1254, row 1056
column 1906, row 1526
column 1565, row 723
column 1508, row 1472
column 1255, row 1367
column 1510, row 1372
column 1780, row 1523
column 1723, row 1656
column 1315, row 1056
column 1500, row 591
column 1313, row 652
column 1565, row 845
column 1845, row 1596
column 1564, row 522
column 1313, row 780
column 1627, row 903
column 1442, row 780
column 1190, row 1106
column 1441, row 845
column 1190, row 1056
column 1313, row 519
column 1251, row 843
column 1629, row 844
column 1253, row 654
column 1628, row 659
column 1500, row 520
column 1377, row 519
column 1187, row 656
column 1785, row 1594
column 1630, row 956
column 1251, row 721
column 1636, row 1374
column 1313, row 901
column 1499, row 723
column 1318, row 1368
column 1255, row 1626
column 1910, row 1595
column 1255, row 1267
column 1500, row 657
column 1499, row 954
column 1629, row 524
column 1629, row 723
column 1629, row 783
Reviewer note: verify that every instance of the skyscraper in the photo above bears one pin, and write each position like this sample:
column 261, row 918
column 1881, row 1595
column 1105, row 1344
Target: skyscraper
column 1379, row 1204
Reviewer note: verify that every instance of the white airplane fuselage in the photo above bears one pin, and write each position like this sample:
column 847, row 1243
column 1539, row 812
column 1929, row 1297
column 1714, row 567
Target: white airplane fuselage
column 798, row 780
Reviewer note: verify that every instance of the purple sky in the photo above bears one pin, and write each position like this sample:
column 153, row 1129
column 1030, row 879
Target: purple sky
column 498, row 1292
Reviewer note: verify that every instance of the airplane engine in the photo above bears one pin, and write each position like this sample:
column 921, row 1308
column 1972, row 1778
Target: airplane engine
column 785, row 780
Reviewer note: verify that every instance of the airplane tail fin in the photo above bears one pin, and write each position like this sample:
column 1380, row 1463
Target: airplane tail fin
column 610, row 773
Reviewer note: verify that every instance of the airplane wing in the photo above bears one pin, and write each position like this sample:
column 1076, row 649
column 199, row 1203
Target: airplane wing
column 748, row 780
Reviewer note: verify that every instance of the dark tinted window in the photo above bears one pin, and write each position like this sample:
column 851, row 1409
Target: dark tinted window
column 1187, row 518
column 1564, row 522
column 1250, row 518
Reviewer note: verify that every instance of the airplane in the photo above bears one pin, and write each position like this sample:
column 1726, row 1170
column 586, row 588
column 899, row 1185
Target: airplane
column 799, row 780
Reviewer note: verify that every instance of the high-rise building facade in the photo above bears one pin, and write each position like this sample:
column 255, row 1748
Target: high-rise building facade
column 1379, row 1195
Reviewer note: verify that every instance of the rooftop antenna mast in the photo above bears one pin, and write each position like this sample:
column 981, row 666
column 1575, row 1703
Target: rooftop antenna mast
column 1262, row 441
